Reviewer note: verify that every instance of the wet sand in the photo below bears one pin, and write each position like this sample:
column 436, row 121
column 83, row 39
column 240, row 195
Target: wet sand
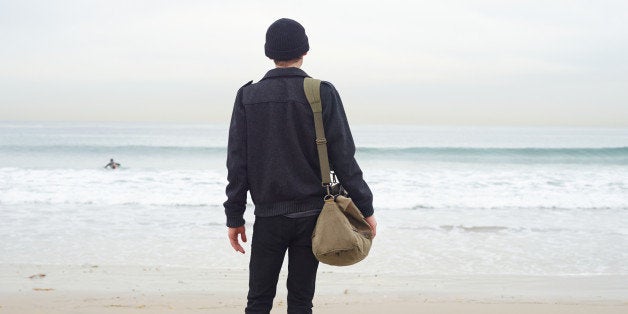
column 95, row 289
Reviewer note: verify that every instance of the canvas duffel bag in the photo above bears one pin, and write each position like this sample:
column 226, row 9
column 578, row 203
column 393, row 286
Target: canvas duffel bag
column 342, row 236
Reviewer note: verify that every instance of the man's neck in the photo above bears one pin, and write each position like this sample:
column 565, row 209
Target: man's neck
column 296, row 64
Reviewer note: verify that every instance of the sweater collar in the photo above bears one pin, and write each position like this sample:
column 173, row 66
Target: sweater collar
column 279, row 72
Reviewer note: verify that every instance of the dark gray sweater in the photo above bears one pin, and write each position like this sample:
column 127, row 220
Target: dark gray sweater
column 272, row 151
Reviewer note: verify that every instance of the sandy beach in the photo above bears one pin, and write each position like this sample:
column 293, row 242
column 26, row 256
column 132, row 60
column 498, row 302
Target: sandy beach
column 136, row 289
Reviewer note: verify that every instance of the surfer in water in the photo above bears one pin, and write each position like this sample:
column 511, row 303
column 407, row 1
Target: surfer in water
column 112, row 164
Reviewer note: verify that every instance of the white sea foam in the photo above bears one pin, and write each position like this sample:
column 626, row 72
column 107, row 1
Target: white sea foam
column 109, row 188
column 399, row 186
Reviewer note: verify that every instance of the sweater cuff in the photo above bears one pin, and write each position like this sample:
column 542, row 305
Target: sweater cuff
column 235, row 221
column 367, row 211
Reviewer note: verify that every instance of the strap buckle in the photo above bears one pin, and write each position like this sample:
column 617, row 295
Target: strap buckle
column 321, row 141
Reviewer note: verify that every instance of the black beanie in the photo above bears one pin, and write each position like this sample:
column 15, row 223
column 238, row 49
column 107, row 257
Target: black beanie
column 286, row 40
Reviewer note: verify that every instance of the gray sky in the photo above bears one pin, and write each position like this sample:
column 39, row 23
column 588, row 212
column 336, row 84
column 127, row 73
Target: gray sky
column 445, row 62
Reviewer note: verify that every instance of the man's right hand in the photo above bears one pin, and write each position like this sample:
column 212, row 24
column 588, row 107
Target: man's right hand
column 233, row 238
column 373, row 223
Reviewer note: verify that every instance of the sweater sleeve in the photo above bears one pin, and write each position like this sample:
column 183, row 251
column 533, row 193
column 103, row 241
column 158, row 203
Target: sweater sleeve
column 236, row 166
column 341, row 150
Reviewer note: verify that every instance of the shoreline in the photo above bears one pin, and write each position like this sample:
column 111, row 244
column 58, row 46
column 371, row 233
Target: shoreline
column 137, row 289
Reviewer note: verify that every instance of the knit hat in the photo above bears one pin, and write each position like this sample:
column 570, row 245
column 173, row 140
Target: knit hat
column 286, row 40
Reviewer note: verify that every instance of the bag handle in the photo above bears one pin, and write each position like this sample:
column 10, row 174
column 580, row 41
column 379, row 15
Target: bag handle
column 312, row 88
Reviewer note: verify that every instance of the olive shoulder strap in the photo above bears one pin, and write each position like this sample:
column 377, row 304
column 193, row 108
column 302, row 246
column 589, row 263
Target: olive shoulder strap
column 312, row 88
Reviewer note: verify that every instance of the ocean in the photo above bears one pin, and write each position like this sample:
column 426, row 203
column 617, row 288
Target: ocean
column 449, row 200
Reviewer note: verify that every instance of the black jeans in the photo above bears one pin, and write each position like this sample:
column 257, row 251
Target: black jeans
column 271, row 237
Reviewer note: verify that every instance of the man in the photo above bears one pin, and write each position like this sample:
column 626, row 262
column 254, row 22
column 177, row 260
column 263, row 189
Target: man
column 112, row 164
column 272, row 153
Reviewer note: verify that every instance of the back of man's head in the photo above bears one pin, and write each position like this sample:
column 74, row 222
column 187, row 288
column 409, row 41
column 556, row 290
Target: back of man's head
column 286, row 40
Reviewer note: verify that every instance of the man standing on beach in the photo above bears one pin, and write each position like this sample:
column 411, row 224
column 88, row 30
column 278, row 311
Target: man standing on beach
column 272, row 153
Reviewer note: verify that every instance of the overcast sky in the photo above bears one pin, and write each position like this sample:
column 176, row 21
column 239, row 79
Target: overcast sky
column 546, row 62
